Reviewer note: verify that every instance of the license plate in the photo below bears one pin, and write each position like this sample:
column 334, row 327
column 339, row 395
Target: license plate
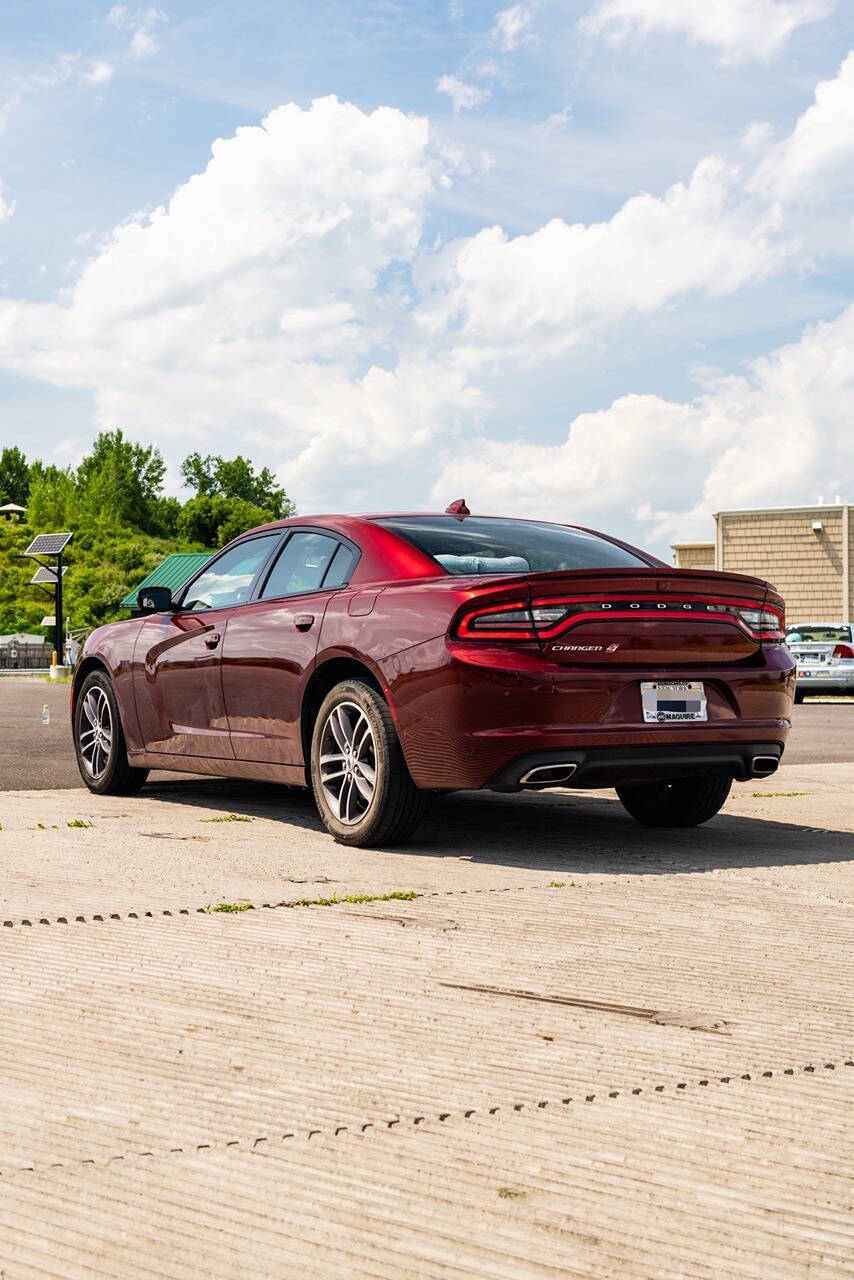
column 667, row 700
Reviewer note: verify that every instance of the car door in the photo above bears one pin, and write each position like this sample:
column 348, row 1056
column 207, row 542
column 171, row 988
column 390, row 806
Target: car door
column 177, row 666
column 269, row 646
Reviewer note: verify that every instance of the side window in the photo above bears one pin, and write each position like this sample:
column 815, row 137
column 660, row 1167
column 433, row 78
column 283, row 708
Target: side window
column 341, row 567
column 301, row 566
column 229, row 579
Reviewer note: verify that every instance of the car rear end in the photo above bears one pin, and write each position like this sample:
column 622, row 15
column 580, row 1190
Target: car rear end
column 824, row 652
column 597, row 676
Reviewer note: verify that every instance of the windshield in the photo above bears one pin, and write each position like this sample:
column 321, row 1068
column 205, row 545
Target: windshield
column 817, row 633
column 486, row 544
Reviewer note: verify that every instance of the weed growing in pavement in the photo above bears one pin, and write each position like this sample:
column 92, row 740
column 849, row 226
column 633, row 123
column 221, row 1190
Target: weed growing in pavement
column 231, row 908
column 511, row 1193
column 770, row 795
column 563, row 884
column 230, row 817
column 78, row 822
column 399, row 895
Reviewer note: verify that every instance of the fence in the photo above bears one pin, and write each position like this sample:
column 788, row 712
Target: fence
column 25, row 657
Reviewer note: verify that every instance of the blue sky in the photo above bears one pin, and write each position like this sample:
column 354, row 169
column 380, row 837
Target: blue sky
column 590, row 259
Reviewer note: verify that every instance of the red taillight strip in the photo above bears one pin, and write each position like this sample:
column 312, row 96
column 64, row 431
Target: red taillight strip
column 465, row 630
column 598, row 616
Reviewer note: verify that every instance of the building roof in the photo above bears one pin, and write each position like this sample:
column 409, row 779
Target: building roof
column 20, row 637
column 172, row 572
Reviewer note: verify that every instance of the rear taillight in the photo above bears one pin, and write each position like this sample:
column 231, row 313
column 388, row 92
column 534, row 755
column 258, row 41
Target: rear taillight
column 842, row 651
column 509, row 621
column 544, row 619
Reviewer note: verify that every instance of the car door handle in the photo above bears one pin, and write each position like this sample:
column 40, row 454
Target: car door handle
column 304, row 621
column 212, row 640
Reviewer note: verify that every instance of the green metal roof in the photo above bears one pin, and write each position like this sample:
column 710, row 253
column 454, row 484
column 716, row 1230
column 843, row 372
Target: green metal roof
column 173, row 572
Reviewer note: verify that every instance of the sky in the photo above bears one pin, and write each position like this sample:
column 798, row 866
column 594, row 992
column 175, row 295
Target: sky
column 581, row 260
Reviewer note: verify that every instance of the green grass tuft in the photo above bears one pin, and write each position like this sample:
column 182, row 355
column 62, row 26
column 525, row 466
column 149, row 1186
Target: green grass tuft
column 230, row 817
column 230, row 908
column 78, row 822
column 399, row 895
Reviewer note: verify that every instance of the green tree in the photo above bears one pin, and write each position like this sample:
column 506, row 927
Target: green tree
column 213, row 519
column 14, row 476
column 120, row 482
column 53, row 498
column 213, row 476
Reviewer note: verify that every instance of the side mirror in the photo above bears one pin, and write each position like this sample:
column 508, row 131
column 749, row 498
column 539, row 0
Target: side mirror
column 154, row 599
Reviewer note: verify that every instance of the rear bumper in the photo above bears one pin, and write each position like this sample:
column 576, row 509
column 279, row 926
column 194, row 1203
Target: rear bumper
column 613, row 766
column 465, row 715
column 826, row 679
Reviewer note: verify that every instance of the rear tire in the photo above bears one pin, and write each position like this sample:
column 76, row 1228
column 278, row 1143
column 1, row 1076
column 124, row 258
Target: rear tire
column 99, row 740
column 363, row 789
column 684, row 802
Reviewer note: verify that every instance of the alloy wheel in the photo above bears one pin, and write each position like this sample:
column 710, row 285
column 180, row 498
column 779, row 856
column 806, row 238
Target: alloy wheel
column 95, row 731
column 348, row 762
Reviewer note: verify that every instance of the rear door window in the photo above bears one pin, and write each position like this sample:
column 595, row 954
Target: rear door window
column 303, row 566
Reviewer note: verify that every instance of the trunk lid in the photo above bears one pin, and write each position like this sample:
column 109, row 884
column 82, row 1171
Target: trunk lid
column 648, row 617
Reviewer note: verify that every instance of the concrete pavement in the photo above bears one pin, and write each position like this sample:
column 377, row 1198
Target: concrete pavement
column 583, row 1049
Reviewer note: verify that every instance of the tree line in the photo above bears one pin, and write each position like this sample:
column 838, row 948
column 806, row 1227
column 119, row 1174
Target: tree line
column 123, row 523
column 120, row 484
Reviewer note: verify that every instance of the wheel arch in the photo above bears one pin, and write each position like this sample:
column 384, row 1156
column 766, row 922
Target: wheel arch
column 83, row 669
column 325, row 677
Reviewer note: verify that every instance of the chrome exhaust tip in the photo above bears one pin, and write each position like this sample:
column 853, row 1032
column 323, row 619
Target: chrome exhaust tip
column 762, row 766
column 547, row 775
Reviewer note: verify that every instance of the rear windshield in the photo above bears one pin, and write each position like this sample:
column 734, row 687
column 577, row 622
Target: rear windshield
column 486, row 544
column 817, row 633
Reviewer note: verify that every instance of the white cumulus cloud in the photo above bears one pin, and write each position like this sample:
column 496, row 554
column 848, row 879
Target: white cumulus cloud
column 254, row 300
column 821, row 145
column 738, row 28
column 464, row 96
column 541, row 293
column 654, row 469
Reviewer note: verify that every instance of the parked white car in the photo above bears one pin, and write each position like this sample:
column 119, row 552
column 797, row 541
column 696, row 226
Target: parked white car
column 825, row 657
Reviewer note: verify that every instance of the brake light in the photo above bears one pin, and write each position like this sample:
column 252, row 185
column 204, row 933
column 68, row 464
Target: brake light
column 546, row 618
column 509, row 621
column 842, row 651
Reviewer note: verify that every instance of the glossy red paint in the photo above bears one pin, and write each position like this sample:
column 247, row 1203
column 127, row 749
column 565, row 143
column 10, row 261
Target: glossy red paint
column 232, row 690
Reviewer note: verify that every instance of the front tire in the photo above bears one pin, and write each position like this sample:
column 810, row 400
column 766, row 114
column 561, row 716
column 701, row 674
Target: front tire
column 99, row 740
column 362, row 787
column 799, row 696
column 684, row 802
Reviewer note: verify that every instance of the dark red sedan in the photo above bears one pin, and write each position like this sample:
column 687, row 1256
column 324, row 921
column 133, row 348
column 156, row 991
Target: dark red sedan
column 379, row 658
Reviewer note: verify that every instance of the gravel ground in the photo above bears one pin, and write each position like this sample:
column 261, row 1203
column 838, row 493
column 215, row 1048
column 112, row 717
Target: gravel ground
column 568, row 1046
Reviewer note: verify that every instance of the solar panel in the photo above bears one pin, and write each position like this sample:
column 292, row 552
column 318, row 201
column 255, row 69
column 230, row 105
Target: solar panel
column 47, row 576
column 47, row 544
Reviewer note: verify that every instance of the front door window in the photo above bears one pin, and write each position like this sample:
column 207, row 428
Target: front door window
column 228, row 581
